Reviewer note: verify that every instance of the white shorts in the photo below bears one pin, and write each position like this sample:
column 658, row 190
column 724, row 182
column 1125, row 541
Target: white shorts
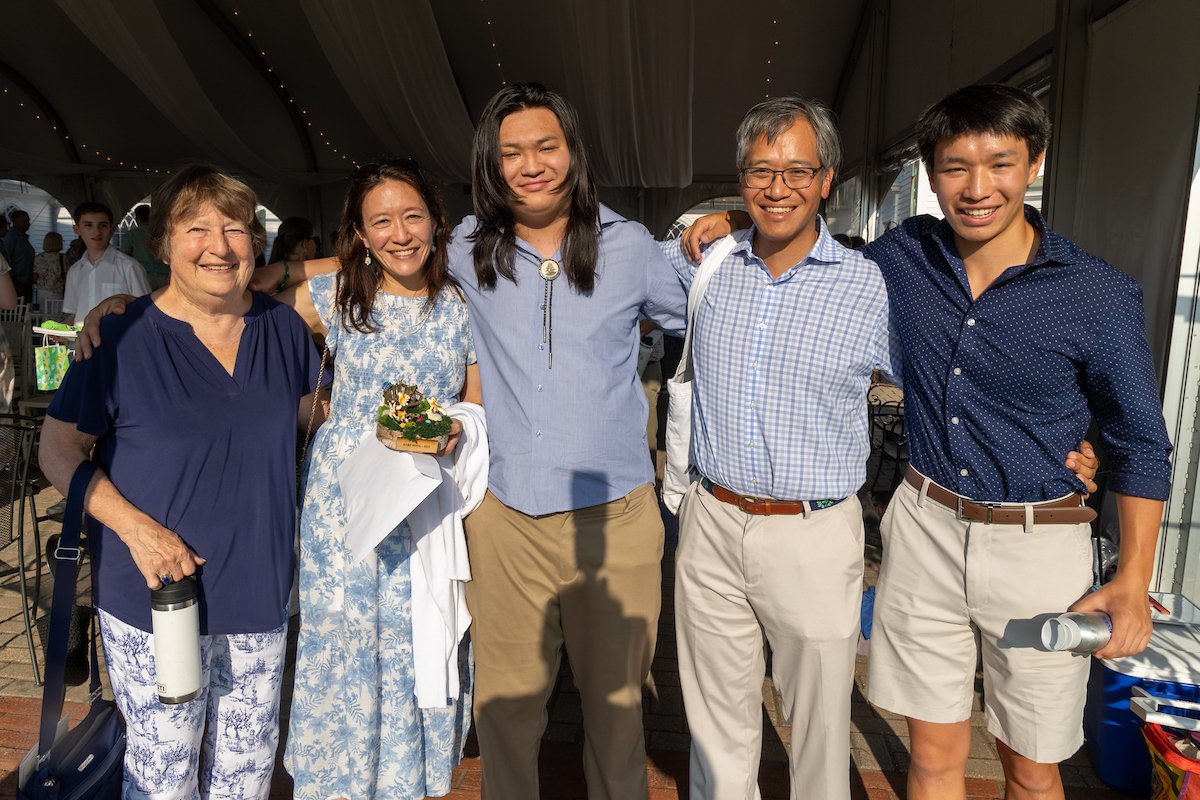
column 949, row 588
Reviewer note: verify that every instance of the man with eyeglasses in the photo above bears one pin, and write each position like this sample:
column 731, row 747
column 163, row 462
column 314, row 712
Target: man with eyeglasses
column 771, row 539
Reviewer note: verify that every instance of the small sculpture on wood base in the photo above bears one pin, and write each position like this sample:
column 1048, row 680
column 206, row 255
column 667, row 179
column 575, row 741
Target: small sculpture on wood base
column 411, row 422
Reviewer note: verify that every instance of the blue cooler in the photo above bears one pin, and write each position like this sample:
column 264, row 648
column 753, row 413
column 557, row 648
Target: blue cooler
column 1169, row 668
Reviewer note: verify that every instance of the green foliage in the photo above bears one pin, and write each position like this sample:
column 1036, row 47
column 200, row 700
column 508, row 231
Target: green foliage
column 412, row 428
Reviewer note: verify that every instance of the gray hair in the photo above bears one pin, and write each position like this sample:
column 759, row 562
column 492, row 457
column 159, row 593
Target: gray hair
column 772, row 117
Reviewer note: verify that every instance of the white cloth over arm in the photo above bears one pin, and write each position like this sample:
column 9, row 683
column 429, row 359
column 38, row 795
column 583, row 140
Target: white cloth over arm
column 380, row 487
column 439, row 566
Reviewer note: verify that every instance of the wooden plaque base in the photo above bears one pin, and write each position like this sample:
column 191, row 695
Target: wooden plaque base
column 396, row 441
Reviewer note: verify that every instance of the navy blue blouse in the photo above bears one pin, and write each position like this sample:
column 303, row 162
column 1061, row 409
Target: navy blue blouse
column 208, row 455
column 999, row 389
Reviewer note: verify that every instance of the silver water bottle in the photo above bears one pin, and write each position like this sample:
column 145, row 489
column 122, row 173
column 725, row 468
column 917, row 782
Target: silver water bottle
column 1077, row 631
column 175, row 619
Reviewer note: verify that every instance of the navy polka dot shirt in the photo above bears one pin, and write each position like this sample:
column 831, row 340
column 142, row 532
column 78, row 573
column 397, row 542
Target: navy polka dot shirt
column 999, row 389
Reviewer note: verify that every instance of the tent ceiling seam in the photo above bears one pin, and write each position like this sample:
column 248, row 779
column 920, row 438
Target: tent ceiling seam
column 31, row 91
column 263, row 69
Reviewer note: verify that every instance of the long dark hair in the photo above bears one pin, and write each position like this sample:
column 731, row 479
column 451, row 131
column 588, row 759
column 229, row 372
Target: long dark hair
column 357, row 283
column 292, row 233
column 494, row 237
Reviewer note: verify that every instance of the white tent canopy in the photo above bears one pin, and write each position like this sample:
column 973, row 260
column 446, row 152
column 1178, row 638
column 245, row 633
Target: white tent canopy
column 292, row 92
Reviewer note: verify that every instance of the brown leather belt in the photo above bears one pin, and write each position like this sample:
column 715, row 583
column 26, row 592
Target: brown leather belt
column 764, row 505
column 1065, row 510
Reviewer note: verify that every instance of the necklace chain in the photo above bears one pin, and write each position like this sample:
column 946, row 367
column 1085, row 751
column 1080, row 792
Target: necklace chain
column 421, row 318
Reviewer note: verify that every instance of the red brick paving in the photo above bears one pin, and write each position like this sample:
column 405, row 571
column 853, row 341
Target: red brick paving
column 561, row 768
column 19, row 719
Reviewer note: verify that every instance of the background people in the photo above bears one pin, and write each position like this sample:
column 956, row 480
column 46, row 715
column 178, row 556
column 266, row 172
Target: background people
column 20, row 253
column 50, row 269
column 8, row 300
column 295, row 240
column 103, row 271
column 173, row 498
column 134, row 244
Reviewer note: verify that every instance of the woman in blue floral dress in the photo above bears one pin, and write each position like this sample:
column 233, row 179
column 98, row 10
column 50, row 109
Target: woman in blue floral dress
column 392, row 314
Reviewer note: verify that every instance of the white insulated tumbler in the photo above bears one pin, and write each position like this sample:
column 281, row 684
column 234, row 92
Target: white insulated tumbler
column 175, row 619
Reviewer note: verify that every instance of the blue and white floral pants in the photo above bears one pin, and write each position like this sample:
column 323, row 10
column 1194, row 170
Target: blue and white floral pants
column 220, row 744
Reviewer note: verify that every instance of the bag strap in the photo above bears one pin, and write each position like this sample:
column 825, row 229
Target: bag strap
column 708, row 267
column 66, row 575
column 312, row 412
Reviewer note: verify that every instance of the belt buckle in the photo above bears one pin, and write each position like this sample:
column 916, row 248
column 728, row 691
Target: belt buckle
column 744, row 500
column 958, row 512
column 990, row 508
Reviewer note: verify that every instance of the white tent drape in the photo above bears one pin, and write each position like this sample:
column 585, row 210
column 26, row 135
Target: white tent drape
column 135, row 38
column 389, row 58
column 629, row 74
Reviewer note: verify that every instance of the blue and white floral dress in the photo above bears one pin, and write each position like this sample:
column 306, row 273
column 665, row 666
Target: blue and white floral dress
column 356, row 730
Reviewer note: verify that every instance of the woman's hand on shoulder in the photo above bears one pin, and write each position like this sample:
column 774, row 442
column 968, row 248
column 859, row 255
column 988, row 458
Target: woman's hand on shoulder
column 89, row 338
column 158, row 551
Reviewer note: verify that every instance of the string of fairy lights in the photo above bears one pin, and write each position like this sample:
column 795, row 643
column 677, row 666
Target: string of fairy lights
column 772, row 52
column 291, row 99
column 491, row 32
column 12, row 95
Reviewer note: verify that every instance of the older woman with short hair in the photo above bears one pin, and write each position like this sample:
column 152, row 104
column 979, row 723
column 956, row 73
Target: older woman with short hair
column 193, row 408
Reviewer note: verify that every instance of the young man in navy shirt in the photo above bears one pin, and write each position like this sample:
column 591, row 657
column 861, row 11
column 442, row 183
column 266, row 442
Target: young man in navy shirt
column 1014, row 339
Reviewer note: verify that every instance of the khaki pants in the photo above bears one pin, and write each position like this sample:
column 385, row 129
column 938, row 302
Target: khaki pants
column 589, row 580
column 799, row 581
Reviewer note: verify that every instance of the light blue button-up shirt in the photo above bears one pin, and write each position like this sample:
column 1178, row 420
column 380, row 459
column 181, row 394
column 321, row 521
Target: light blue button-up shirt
column 782, row 367
column 573, row 435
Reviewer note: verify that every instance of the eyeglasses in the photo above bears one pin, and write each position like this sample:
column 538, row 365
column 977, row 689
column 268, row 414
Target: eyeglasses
column 793, row 177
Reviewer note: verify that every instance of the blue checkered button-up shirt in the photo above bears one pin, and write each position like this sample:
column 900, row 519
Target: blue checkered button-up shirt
column 999, row 389
column 782, row 367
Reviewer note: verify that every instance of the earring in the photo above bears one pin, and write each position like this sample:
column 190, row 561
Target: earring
column 367, row 260
column 432, row 248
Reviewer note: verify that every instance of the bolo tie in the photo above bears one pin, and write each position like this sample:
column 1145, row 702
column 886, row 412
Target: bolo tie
column 549, row 270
